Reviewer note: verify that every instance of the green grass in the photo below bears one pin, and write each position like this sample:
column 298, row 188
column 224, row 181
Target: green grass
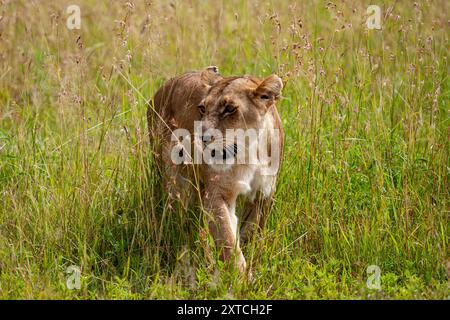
column 365, row 177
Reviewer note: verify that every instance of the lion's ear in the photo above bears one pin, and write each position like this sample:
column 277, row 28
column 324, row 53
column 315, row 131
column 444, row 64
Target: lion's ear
column 269, row 90
column 210, row 75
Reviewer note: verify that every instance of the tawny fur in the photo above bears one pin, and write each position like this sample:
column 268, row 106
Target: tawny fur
column 176, row 105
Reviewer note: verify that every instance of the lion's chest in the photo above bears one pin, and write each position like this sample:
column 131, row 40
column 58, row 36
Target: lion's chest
column 262, row 175
column 251, row 180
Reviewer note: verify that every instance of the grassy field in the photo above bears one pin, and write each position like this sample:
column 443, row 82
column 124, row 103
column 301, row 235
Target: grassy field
column 365, row 177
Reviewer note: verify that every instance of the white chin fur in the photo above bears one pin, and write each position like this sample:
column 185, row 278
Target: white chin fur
column 221, row 167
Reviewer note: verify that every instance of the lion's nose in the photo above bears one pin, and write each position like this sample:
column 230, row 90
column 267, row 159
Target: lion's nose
column 206, row 137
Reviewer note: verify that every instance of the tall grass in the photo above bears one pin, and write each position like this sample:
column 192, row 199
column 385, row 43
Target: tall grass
column 365, row 176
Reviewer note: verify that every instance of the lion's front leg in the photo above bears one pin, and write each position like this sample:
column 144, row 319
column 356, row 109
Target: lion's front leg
column 254, row 216
column 222, row 223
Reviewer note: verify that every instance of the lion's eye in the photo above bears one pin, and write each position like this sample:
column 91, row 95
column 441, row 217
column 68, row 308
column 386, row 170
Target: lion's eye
column 229, row 109
column 264, row 96
column 202, row 109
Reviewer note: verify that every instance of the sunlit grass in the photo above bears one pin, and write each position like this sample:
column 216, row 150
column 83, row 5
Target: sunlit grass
column 364, row 178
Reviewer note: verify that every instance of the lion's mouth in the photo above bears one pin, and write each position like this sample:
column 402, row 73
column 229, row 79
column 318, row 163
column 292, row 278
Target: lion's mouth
column 230, row 151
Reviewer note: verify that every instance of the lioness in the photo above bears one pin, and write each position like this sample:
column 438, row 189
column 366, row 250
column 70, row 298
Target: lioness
column 221, row 103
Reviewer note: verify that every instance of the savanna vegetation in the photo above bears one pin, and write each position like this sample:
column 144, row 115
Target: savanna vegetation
column 365, row 175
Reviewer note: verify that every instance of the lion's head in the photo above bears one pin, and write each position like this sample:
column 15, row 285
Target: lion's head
column 239, row 102
column 236, row 103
